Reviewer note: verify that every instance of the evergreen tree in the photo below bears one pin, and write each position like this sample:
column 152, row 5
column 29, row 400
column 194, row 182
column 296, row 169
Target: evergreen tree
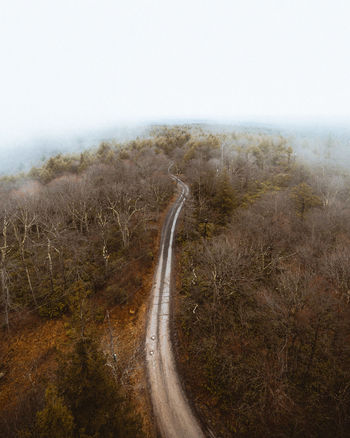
column 304, row 199
column 224, row 200
column 98, row 408
column 55, row 420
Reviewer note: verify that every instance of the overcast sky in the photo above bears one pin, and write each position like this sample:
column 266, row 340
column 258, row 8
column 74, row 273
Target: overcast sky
column 76, row 64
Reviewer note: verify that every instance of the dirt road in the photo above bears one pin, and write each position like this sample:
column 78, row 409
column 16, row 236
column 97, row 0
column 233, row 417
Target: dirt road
column 172, row 411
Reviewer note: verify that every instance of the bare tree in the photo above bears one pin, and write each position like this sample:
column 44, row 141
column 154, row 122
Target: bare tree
column 21, row 224
column 124, row 207
column 3, row 272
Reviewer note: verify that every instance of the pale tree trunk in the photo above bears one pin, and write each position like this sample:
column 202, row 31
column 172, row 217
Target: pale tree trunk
column 102, row 222
column 124, row 215
column 54, row 231
column 80, row 215
column 21, row 240
column 3, row 274
column 6, row 295
column 50, row 264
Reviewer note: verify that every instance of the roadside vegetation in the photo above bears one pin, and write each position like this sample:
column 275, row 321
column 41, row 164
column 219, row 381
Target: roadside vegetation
column 77, row 237
column 72, row 224
column 264, row 289
column 263, row 303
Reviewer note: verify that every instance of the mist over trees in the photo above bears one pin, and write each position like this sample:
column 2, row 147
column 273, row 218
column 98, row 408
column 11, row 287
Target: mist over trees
column 264, row 299
column 317, row 143
column 19, row 156
column 75, row 221
column 263, row 277
column 80, row 227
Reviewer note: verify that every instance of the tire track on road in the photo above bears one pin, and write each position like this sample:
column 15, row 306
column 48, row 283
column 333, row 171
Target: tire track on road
column 172, row 411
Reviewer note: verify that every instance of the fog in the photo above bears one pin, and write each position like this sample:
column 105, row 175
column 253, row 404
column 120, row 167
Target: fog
column 72, row 73
column 319, row 144
column 315, row 143
column 21, row 155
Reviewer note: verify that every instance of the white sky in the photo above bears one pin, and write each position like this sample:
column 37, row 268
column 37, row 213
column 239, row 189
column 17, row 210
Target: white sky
column 71, row 64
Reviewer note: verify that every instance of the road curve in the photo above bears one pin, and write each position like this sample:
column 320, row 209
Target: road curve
column 172, row 411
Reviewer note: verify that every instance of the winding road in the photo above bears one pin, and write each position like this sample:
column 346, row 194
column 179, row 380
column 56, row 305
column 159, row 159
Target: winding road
column 172, row 411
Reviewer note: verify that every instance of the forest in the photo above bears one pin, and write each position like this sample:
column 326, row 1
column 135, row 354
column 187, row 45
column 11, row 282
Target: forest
column 76, row 238
column 262, row 284
column 264, row 291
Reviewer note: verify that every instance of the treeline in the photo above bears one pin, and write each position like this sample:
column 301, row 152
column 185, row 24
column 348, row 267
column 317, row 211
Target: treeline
column 71, row 225
column 264, row 305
